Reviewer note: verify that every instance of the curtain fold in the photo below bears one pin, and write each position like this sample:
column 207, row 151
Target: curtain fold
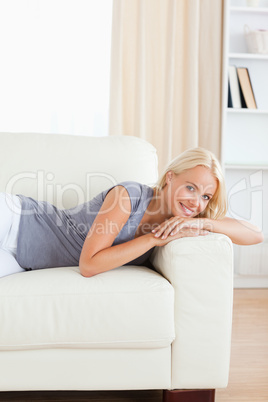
column 166, row 73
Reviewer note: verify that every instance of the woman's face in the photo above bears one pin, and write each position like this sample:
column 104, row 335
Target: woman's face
column 188, row 194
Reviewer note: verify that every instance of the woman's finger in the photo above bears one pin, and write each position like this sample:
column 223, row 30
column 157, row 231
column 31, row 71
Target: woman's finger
column 167, row 227
column 164, row 231
column 160, row 228
column 191, row 223
column 181, row 226
column 203, row 232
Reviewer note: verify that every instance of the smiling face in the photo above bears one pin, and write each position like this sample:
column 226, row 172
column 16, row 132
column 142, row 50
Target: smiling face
column 188, row 194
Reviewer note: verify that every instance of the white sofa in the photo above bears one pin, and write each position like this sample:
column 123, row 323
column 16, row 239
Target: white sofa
column 132, row 328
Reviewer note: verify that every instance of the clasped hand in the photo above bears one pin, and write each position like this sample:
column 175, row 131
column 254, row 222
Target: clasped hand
column 177, row 227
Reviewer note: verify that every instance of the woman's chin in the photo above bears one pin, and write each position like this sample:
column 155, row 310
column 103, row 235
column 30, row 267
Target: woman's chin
column 182, row 214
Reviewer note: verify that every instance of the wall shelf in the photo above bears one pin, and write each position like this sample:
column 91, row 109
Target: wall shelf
column 250, row 56
column 251, row 10
column 245, row 167
column 247, row 111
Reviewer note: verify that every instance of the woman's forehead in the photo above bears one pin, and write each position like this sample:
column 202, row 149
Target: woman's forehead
column 200, row 175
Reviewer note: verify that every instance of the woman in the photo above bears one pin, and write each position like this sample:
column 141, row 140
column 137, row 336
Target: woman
column 123, row 224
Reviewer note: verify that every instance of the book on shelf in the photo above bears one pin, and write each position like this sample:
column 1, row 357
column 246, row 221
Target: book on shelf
column 234, row 97
column 240, row 92
column 246, row 87
column 230, row 102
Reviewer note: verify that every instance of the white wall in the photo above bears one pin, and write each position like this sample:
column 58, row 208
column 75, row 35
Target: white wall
column 55, row 66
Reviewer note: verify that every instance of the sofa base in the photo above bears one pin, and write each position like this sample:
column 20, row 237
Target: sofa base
column 82, row 396
column 145, row 395
column 185, row 395
column 85, row 369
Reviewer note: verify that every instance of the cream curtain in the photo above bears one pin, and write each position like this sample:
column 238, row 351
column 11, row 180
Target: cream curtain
column 166, row 73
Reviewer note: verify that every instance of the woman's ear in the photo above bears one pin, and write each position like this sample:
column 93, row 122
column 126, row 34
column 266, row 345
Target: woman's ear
column 169, row 176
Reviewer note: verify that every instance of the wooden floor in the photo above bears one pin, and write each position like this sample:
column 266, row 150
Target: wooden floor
column 248, row 380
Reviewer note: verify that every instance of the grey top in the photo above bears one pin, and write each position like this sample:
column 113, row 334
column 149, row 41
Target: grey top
column 51, row 237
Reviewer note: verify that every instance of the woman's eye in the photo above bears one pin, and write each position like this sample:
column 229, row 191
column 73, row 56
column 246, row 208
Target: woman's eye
column 191, row 188
column 206, row 197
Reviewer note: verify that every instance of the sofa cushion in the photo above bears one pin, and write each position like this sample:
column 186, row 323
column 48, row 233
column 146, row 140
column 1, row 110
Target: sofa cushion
column 68, row 170
column 128, row 307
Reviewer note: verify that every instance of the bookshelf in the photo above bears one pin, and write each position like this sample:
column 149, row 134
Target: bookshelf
column 245, row 140
column 248, row 56
column 245, row 111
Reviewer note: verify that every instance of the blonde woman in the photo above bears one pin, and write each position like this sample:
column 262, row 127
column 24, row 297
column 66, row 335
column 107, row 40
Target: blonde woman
column 122, row 225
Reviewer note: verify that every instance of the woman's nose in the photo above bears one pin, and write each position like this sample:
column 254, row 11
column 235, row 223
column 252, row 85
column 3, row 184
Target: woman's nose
column 194, row 200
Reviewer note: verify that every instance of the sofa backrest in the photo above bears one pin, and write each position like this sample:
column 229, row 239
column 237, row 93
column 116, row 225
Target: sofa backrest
column 68, row 170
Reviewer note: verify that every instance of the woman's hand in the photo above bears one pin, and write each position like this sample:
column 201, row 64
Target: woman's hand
column 176, row 228
column 240, row 232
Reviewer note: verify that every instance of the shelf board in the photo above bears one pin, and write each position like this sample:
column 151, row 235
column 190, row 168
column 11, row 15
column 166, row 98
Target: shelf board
column 249, row 56
column 256, row 10
column 245, row 167
column 246, row 111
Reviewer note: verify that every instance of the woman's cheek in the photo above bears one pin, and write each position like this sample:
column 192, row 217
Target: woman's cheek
column 177, row 209
column 203, row 206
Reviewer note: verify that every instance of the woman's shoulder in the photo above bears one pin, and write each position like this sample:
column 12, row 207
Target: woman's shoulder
column 134, row 188
column 137, row 192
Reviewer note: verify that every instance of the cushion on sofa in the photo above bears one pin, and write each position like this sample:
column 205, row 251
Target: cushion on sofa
column 128, row 307
column 68, row 170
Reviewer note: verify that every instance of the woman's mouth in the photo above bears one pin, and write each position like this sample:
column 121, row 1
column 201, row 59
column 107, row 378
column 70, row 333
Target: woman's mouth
column 186, row 210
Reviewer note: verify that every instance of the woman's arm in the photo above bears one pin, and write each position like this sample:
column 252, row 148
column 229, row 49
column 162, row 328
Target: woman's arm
column 240, row 232
column 112, row 257
column 98, row 255
column 111, row 218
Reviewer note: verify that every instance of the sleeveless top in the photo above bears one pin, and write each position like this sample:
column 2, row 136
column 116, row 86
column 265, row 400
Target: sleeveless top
column 51, row 237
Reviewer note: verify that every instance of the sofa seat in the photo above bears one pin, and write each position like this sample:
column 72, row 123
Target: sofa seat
column 128, row 307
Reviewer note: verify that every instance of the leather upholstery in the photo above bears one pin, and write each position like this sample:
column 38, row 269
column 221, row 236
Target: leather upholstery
column 126, row 308
column 61, row 331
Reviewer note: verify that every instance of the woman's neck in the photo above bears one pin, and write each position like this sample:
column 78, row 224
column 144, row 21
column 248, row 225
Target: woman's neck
column 156, row 210
column 154, row 215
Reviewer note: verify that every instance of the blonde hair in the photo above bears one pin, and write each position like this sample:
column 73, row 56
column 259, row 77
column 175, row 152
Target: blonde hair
column 217, row 206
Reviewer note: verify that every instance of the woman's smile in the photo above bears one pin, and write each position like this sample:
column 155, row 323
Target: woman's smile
column 187, row 211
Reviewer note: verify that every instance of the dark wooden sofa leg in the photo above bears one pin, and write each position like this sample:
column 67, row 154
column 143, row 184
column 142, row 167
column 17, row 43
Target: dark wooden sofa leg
column 189, row 395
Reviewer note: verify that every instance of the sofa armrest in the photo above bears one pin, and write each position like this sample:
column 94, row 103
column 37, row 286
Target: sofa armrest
column 201, row 272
